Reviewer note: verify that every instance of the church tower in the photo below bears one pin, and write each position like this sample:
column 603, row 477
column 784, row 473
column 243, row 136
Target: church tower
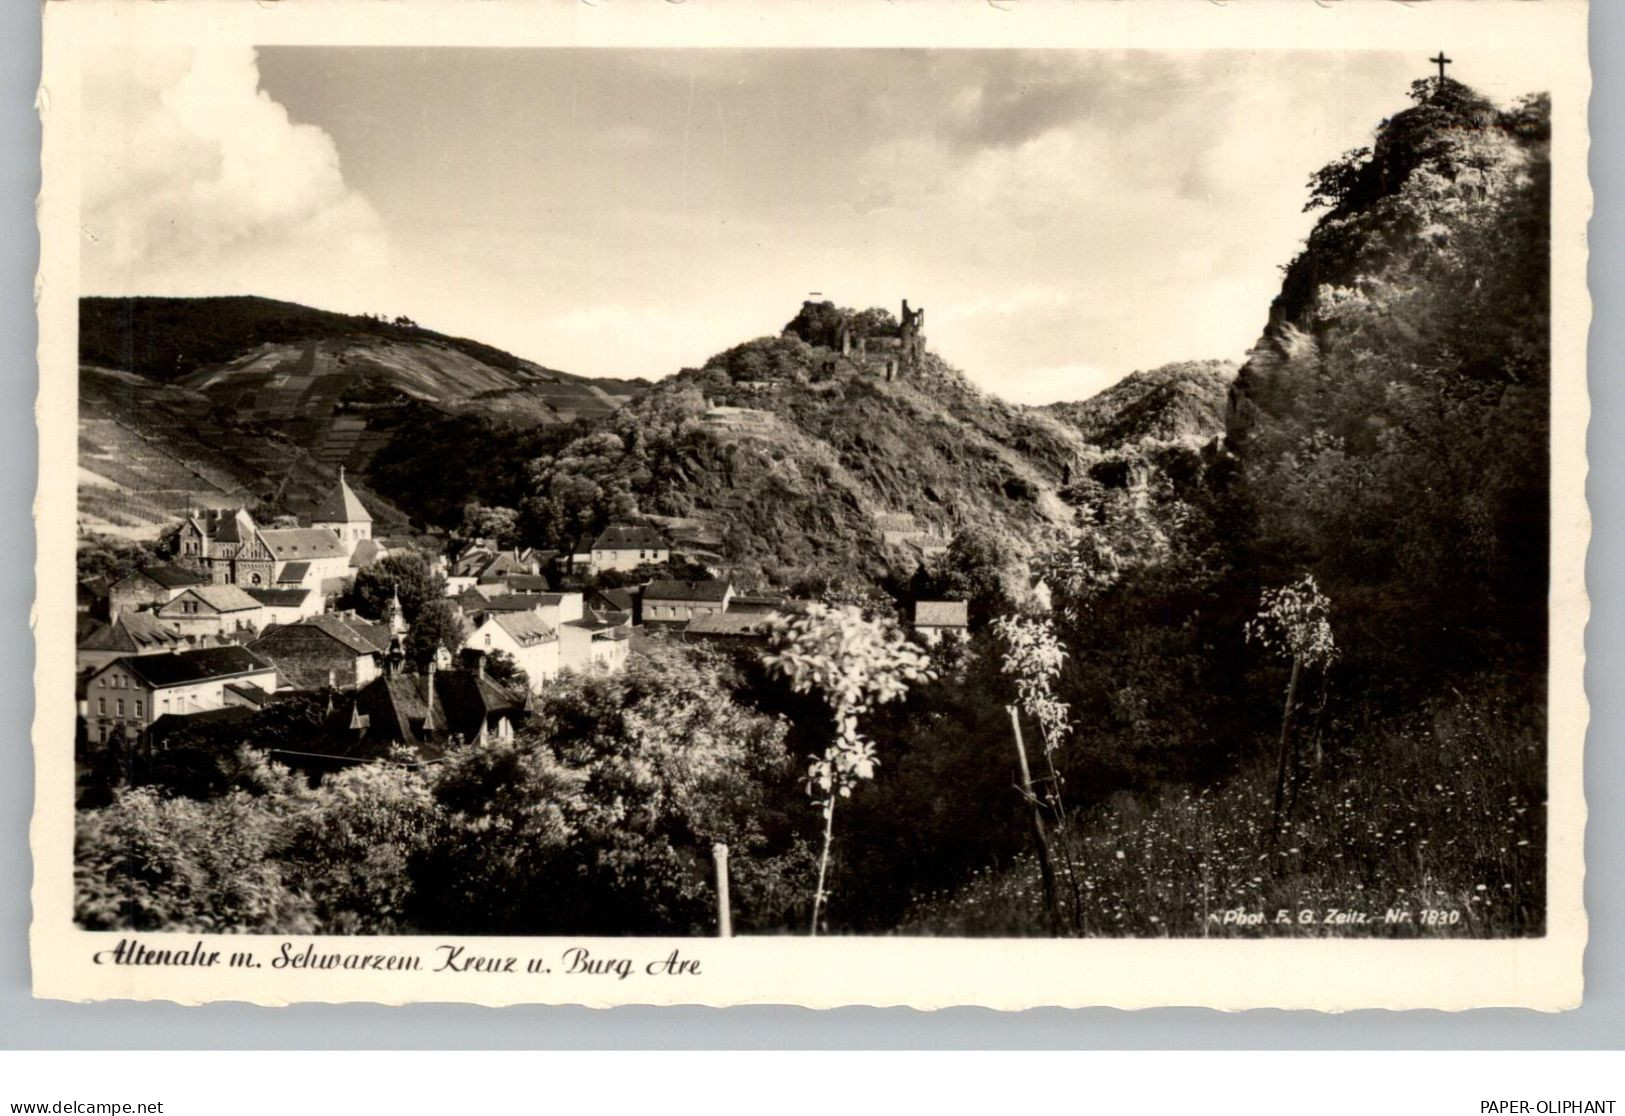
column 341, row 512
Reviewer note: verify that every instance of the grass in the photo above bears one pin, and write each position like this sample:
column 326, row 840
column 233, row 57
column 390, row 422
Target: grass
column 1441, row 812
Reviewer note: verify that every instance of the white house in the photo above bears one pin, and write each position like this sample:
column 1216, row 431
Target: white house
column 628, row 546
column 287, row 606
column 212, row 610
column 533, row 643
column 678, row 602
column 593, row 645
column 937, row 620
column 126, row 696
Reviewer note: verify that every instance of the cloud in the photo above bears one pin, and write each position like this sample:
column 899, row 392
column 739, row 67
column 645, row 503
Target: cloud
column 197, row 182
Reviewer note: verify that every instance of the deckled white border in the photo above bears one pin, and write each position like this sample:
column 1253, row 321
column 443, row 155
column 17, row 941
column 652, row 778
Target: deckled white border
column 925, row 973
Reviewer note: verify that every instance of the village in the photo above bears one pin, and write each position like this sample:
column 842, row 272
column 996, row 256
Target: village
column 243, row 616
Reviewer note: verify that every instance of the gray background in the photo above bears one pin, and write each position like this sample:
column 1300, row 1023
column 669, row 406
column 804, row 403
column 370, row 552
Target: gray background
column 25, row 1023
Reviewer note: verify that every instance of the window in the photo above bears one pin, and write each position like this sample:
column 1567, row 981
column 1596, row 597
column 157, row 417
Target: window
column 118, row 710
column 138, row 707
column 101, row 707
column 487, row 639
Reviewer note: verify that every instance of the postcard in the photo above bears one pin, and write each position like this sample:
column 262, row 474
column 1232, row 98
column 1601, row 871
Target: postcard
column 895, row 504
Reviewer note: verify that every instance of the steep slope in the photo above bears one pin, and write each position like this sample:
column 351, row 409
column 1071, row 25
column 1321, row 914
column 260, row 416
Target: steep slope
column 1392, row 426
column 148, row 452
column 1181, row 403
column 791, row 461
column 241, row 399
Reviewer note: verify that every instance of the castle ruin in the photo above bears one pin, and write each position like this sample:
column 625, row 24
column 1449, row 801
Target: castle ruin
column 893, row 355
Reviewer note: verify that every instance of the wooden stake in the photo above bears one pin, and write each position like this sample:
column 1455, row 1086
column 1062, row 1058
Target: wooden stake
column 725, row 924
column 1046, row 870
column 1282, row 751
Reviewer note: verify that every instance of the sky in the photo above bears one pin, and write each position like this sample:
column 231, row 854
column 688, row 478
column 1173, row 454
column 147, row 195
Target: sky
column 1063, row 217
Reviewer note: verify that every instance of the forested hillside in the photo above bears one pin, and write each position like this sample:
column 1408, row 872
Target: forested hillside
column 1371, row 547
column 235, row 400
column 799, row 465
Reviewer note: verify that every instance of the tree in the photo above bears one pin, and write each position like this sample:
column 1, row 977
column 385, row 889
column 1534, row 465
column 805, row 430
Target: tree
column 402, row 572
column 978, row 569
column 148, row 863
column 500, row 525
column 438, row 625
column 352, row 844
column 110, row 558
column 1032, row 662
column 601, row 819
column 855, row 664
column 503, row 669
column 1293, row 623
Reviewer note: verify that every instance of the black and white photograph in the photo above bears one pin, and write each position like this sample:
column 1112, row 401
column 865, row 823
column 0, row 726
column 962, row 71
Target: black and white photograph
column 853, row 493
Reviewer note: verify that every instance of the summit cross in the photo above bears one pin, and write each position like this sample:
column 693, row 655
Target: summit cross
column 1441, row 61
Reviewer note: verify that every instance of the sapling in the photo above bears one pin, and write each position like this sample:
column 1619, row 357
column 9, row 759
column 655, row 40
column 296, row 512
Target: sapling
column 1032, row 661
column 855, row 664
column 1293, row 622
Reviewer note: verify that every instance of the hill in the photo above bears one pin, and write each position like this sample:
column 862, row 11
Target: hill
column 148, row 452
column 1392, row 425
column 793, row 461
column 1181, row 403
column 216, row 400
column 1378, row 517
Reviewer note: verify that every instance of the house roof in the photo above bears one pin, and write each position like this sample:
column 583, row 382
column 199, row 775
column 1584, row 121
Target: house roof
column 169, row 575
column 760, row 605
column 235, row 527
column 353, row 635
column 294, row 573
column 249, row 693
column 366, row 552
column 403, row 708
column 518, row 583
column 592, row 623
column 287, row 543
column 171, row 668
column 630, row 536
column 472, row 599
column 708, row 592
column 472, row 563
column 341, row 505
column 279, row 598
column 516, row 602
column 941, row 614
column 221, row 598
column 729, row 623
column 505, row 562
column 620, row 600
column 131, row 633
column 526, row 628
